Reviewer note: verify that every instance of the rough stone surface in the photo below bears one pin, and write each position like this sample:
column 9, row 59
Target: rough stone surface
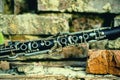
column 73, row 51
column 117, row 21
column 55, row 63
column 1, row 6
column 35, row 69
column 113, row 44
column 99, row 6
column 104, row 62
column 32, row 24
column 70, row 72
column 4, row 65
column 83, row 22
column 105, row 44
column 54, row 77
column 98, row 44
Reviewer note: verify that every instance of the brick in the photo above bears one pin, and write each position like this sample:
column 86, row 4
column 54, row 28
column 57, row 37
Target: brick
column 104, row 62
column 33, row 24
column 100, row 6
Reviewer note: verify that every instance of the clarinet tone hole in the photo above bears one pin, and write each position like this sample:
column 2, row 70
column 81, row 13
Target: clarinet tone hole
column 86, row 36
column 63, row 40
column 75, row 38
column 23, row 47
column 47, row 43
column 34, row 45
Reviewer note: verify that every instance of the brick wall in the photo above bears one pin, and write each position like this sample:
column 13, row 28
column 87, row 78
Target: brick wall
column 28, row 19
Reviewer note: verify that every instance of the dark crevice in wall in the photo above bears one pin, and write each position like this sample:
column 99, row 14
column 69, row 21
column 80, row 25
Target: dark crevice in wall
column 46, row 59
column 108, row 18
column 48, row 11
column 8, row 6
column 27, row 6
column 32, row 5
column 20, row 7
column 12, row 5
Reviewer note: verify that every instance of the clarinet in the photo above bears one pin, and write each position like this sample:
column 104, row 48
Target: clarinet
column 17, row 48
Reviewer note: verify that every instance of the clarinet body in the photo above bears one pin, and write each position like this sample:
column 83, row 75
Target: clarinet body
column 14, row 49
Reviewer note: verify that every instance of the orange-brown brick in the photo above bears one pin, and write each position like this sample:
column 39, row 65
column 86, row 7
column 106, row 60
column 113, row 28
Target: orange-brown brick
column 103, row 62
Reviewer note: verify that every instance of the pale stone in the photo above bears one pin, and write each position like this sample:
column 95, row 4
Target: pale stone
column 32, row 24
column 114, row 44
column 117, row 21
column 1, row 6
column 100, row 6
column 4, row 65
column 86, row 22
column 98, row 44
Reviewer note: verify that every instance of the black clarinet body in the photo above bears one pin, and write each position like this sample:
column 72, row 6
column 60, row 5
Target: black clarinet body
column 17, row 48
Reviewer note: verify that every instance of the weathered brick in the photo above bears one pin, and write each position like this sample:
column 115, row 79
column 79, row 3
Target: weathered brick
column 33, row 24
column 104, row 62
column 99, row 6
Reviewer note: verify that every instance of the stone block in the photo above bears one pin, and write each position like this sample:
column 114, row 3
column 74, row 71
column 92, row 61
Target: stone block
column 104, row 62
column 113, row 44
column 100, row 6
column 86, row 22
column 4, row 65
column 33, row 24
column 117, row 21
column 105, row 44
column 20, row 6
column 98, row 44
column 1, row 6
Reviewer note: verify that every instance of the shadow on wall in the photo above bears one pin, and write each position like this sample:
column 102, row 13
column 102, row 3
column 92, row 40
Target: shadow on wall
column 25, row 6
column 19, row 6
